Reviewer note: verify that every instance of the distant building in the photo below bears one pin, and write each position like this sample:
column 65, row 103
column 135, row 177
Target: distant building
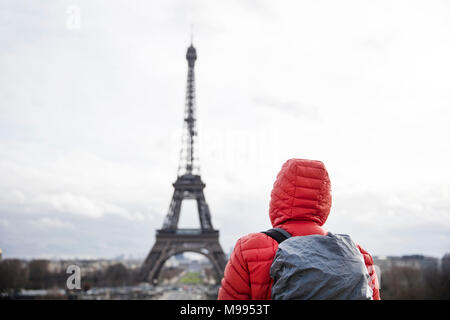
column 195, row 266
column 420, row 262
column 179, row 257
column 445, row 263
column 172, row 262
column 55, row 266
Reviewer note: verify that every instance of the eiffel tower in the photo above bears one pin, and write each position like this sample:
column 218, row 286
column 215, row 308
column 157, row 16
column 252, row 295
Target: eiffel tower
column 171, row 240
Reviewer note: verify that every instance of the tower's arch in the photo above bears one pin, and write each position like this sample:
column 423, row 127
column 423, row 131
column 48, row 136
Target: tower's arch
column 204, row 252
column 169, row 244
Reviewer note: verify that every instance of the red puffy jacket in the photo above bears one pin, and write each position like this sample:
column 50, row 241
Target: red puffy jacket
column 300, row 204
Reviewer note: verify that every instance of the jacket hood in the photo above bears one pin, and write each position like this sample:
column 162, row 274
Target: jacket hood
column 301, row 192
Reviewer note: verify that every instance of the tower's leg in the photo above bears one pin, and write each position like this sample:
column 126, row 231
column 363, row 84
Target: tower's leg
column 171, row 221
column 203, row 211
column 153, row 263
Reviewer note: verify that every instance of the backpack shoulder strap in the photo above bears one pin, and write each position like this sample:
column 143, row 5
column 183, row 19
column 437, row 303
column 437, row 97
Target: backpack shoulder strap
column 278, row 234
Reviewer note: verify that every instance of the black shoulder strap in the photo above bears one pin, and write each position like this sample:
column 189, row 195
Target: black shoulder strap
column 279, row 235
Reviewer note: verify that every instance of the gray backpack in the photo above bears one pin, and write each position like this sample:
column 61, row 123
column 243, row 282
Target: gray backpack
column 318, row 267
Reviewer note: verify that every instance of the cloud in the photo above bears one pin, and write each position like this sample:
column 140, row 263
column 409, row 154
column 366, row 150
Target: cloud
column 395, row 222
column 90, row 120
column 293, row 108
column 4, row 223
column 75, row 204
column 48, row 222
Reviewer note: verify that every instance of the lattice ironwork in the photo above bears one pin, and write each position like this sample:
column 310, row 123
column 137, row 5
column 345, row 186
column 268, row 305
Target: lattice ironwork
column 171, row 240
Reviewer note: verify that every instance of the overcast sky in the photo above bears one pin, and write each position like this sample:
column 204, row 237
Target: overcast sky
column 91, row 110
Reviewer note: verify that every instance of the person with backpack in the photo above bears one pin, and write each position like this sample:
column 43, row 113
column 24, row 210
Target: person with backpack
column 298, row 259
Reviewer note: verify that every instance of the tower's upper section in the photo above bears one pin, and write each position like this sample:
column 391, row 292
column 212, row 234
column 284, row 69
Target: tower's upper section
column 188, row 158
column 191, row 56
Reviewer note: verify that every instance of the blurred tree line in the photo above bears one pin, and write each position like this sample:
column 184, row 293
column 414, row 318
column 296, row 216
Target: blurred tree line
column 17, row 274
column 396, row 282
column 169, row 273
column 407, row 283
